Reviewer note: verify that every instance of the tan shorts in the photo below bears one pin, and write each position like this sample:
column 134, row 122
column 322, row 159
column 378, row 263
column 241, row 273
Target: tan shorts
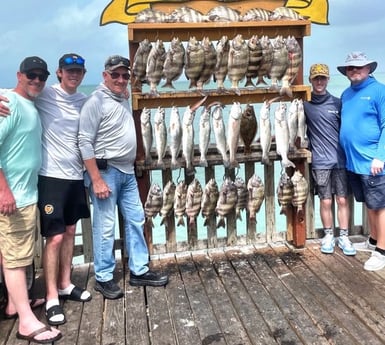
column 17, row 237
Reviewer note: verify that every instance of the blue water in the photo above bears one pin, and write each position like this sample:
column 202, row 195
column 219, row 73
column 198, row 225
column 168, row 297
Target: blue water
column 336, row 85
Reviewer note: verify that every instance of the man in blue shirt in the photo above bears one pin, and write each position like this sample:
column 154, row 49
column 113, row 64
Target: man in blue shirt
column 363, row 108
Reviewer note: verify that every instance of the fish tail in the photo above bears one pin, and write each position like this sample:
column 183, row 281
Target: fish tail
column 265, row 160
column 285, row 90
column 150, row 222
column 283, row 210
column 203, row 162
column 238, row 215
column 221, row 222
column 287, row 164
column 249, row 83
column 180, row 221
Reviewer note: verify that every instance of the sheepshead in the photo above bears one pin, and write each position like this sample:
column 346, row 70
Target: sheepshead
column 193, row 200
column 204, row 135
column 167, row 201
column 265, row 131
column 153, row 203
column 282, row 135
column 256, row 191
column 226, row 201
column 209, row 62
column 285, row 13
column 185, row 14
column 267, row 59
column 292, row 120
column 242, row 197
column 233, row 132
column 154, row 68
column 280, row 61
column 150, row 15
column 180, row 202
column 175, row 134
column 220, row 71
column 223, row 14
column 301, row 190
column 174, row 62
column 238, row 61
column 146, row 128
column 302, row 125
column 140, row 61
column 294, row 63
column 194, row 61
column 255, row 57
column 209, row 199
column 248, row 128
column 220, row 134
column 285, row 191
column 160, row 132
column 256, row 14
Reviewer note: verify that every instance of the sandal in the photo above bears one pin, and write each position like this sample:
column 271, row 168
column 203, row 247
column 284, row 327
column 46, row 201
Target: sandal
column 34, row 303
column 54, row 311
column 76, row 295
column 32, row 337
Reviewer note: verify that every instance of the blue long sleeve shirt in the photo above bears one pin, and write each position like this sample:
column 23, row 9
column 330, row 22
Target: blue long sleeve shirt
column 362, row 134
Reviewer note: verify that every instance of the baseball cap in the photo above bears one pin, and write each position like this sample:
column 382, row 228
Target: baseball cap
column 319, row 70
column 116, row 61
column 70, row 61
column 33, row 62
column 358, row 59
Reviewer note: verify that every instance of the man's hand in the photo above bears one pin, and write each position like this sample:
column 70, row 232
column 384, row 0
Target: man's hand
column 376, row 167
column 4, row 110
column 7, row 202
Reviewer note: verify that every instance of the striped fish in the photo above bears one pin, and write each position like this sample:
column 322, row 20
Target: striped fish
column 186, row 14
column 285, row 191
column 301, row 190
column 180, row 202
column 267, row 59
column 285, row 13
column 280, row 61
column 155, row 62
column 256, row 191
column 153, row 203
column 193, row 200
column 194, row 61
column 255, row 57
column 174, row 62
column 238, row 61
column 294, row 63
column 140, row 61
column 256, row 14
column 223, row 14
column 150, row 15
column 220, row 72
column 242, row 197
column 209, row 62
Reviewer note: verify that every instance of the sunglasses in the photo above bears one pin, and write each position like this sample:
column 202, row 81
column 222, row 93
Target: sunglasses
column 33, row 76
column 115, row 60
column 116, row 75
column 70, row 60
column 351, row 68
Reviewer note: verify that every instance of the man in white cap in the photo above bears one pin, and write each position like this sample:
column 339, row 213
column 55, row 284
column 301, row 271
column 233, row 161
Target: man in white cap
column 363, row 105
column 323, row 118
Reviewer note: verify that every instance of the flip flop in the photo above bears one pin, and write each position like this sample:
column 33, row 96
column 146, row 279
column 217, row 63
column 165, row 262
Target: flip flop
column 34, row 303
column 76, row 295
column 32, row 337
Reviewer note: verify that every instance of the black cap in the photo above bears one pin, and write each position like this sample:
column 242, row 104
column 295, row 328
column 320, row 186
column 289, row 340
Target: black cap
column 116, row 61
column 33, row 62
column 69, row 61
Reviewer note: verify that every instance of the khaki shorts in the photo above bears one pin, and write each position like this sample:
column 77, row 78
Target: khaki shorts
column 17, row 237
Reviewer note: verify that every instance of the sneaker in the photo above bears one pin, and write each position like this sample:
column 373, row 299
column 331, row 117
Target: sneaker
column 149, row 278
column 365, row 246
column 327, row 244
column 375, row 262
column 109, row 289
column 346, row 245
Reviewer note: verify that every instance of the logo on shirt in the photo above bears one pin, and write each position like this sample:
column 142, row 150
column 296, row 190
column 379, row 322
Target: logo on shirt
column 365, row 98
column 48, row 209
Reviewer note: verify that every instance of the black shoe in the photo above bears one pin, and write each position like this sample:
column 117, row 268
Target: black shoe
column 109, row 289
column 149, row 278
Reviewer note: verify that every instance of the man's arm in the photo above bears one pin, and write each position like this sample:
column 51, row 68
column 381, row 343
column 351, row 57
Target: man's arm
column 4, row 110
column 99, row 186
column 7, row 201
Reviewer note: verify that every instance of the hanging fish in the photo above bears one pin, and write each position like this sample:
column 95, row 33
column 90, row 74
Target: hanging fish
column 140, row 62
column 256, row 191
column 204, row 135
column 160, row 132
column 180, row 202
column 280, row 61
column 238, row 61
column 248, row 128
column 193, row 200
column 194, row 61
column 220, row 71
column 154, row 68
column 293, row 124
column 174, row 62
column 146, row 128
column 302, row 125
column 266, row 61
column 209, row 62
column 301, row 190
column 265, row 131
column 226, row 200
column 209, row 199
column 167, row 201
column 220, row 134
column 153, row 203
column 233, row 130
column 242, row 197
column 255, row 57
column 285, row 192
column 175, row 134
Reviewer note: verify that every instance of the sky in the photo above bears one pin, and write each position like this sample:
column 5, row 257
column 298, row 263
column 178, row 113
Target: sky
column 56, row 27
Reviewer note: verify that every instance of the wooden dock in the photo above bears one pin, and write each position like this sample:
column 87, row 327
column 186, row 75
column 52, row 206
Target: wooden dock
column 236, row 296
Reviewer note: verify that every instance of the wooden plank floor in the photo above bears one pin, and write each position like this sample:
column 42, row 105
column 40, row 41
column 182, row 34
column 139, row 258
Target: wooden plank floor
column 237, row 296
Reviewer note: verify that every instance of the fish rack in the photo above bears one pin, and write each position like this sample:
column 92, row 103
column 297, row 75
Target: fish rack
column 296, row 230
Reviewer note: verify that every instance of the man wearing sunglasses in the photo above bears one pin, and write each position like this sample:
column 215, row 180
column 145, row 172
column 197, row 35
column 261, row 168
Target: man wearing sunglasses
column 20, row 160
column 62, row 199
column 107, row 141
column 362, row 137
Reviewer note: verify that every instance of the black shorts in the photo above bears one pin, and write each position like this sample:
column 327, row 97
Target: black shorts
column 61, row 203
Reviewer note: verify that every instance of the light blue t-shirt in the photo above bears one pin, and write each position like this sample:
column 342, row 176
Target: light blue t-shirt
column 20, row 148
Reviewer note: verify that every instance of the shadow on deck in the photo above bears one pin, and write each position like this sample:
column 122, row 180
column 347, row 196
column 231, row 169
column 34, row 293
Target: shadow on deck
column 239, row 296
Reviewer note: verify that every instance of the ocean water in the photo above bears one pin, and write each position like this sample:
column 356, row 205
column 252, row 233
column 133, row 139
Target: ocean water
column 336, row 85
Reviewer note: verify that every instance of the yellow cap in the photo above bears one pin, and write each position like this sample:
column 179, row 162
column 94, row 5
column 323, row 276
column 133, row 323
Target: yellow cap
column 319, row 69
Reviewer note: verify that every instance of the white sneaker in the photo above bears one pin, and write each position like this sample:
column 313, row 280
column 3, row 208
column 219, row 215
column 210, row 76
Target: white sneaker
column 328, row 243
column 364, row 246
column 346, row 246
column 375, row 262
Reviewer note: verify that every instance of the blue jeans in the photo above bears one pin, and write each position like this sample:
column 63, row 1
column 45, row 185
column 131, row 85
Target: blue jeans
column 125, row 194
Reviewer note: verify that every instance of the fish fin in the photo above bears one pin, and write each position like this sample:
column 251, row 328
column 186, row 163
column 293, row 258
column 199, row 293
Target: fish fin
column 283, row 210
column 150, row 222
column 249, row 83
column 285, row 90
column 164, row 221
column 238, row 215
column 203, row 163
column 221, row 223
column 287, row 164
column 180, row 221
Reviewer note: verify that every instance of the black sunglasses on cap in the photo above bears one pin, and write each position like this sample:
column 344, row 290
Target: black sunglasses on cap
column 33, row 76
column 117, row 60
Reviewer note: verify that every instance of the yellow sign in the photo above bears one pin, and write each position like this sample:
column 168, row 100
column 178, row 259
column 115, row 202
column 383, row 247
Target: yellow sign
column 124, row 11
